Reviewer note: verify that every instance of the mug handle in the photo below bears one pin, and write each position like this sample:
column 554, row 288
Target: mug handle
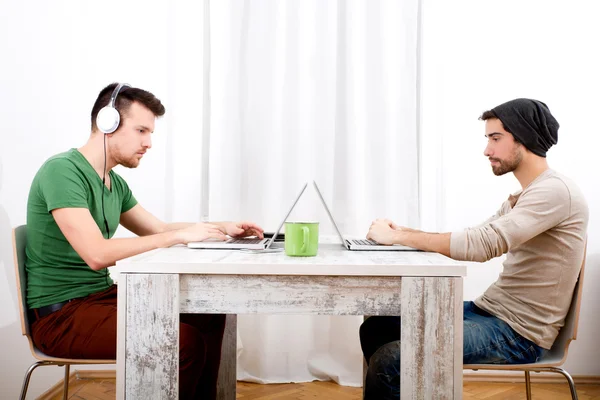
column 306, row 232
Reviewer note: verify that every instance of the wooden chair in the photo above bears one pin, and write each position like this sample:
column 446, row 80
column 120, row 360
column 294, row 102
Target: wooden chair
column 555, row 358
column 19, row 244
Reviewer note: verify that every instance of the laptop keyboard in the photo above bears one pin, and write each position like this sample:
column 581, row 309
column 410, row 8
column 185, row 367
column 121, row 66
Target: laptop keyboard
column 365, row 242
column 244, row 241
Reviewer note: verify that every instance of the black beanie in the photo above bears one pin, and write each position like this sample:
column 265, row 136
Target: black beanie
column 530, row 122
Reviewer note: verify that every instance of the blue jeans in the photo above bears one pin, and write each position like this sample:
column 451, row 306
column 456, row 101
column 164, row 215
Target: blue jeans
column 487, row 340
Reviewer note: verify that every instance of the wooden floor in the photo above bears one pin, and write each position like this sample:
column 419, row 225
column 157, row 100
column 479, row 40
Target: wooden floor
column 104, row 389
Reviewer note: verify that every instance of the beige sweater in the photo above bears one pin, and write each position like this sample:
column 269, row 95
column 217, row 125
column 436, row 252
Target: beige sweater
column 543, row 230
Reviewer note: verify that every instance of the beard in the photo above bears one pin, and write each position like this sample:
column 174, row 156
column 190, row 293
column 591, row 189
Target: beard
column 131, row 161
column 509, row 165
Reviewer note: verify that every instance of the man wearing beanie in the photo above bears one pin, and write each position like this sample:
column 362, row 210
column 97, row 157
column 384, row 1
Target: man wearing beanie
column 541, row 229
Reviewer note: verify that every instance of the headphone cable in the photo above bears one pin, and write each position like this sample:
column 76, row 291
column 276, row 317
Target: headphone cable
column 103, row 214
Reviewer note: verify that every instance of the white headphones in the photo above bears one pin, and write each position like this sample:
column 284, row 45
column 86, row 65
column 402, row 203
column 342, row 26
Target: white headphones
column 108, row 117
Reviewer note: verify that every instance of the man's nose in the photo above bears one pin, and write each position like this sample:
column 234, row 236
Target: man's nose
column 487, row 151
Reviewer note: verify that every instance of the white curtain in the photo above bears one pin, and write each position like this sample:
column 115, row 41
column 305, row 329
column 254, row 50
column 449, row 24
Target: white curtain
column 284, row 92
column 302, row 90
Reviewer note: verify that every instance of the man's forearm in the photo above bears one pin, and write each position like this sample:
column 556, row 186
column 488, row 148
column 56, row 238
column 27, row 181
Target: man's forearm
column 435, row 242
column 112, row 250
column 173, row 226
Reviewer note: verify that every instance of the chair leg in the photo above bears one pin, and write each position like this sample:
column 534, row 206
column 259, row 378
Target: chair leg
column 28, row 377
column 569, row 379
column 528, row 385
column 66, row 387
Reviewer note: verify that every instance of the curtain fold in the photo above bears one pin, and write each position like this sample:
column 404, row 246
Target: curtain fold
column 296, row 91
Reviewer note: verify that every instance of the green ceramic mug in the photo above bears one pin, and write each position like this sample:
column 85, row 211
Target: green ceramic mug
column 301, row 239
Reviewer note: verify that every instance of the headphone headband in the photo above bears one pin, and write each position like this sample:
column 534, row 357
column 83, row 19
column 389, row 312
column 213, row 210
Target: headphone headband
column 115, row 92
column 108, row 117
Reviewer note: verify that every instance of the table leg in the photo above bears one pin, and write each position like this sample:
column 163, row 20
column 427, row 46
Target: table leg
column 151, row 347
column 226, row 385
column 431, row 338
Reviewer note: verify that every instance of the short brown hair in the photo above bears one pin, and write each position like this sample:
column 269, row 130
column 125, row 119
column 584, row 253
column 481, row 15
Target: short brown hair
column 126, row 96
column 489, row 114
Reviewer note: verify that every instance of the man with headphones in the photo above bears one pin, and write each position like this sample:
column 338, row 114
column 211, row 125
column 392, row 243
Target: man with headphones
column 75, row 204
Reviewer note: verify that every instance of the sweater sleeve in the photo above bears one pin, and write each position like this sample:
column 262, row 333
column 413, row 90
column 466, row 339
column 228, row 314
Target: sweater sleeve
column 538, row 209
column 490, row 219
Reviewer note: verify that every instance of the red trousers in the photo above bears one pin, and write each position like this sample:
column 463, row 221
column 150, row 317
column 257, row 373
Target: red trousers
column 87, row 328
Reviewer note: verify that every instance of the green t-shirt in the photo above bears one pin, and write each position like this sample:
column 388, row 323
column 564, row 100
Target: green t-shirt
column 55, row 272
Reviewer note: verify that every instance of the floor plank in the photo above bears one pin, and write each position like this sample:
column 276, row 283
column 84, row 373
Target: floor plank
column 104, row 389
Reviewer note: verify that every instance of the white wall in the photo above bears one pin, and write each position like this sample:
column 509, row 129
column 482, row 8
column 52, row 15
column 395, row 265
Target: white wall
column 56, row 57
column 478, row 54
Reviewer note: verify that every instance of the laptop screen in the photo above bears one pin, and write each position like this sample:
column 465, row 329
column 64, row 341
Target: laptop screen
column 286, row 216
column 329, row 213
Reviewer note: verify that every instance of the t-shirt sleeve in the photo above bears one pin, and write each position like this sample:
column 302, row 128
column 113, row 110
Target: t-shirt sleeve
column 63, row 186
column 129, row 201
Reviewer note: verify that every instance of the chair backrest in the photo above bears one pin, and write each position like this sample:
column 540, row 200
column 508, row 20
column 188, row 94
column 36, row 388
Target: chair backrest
column 569, row 330
column 19, row 239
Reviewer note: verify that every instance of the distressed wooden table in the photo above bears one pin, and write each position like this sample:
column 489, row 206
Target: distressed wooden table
column 154, row 287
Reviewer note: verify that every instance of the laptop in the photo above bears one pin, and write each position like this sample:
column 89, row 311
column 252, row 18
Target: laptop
column 246, row 243
column 360, row 244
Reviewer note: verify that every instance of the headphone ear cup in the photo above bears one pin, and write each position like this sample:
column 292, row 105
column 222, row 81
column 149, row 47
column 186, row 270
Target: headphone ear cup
column 108, row 119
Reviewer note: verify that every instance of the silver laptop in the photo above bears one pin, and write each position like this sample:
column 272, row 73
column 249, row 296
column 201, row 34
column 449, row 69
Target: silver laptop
column 246, row 243
column 360, row 244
